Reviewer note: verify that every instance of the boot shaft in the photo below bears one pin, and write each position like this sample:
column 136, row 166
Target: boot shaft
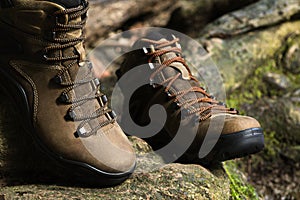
column 31, row 26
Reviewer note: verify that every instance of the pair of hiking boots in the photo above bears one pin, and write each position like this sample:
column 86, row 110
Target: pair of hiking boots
column 44, row 70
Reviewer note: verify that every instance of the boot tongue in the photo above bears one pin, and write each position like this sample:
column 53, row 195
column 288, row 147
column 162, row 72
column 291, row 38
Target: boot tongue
column 69, row 3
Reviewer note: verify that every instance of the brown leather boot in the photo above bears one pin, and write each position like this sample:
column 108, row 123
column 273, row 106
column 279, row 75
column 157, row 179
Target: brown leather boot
column 188, row 106
column 45, row 71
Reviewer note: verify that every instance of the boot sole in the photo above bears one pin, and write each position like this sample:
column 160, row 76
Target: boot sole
column 81, row 173
column 228, row 147
column 235, row 145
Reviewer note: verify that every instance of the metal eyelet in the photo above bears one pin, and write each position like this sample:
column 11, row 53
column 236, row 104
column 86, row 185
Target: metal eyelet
column 72, row 114
column 64, row 98
column 151, row 82
column 111, row 115
column 235, row 110
column 222, row 104
column 145, row 50
column 95, row 83
column 57, row 79
column 81, row 132
column 102, row 100
column 169, row 94
column 177, row 44
column 86, row 63
column 175, row 105
column 53, row 35
column 151, row 66
column 46, row 58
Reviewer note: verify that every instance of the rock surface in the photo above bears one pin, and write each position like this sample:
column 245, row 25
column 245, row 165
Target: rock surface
column 237, row 57
column 263, row 14
column 174, row 181
column 111, row 16
column 26, row 174
column 192, row 16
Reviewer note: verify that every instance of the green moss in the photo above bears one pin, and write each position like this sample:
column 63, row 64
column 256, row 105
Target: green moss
column 239, row 187
column 271, row 145
column 254, row 88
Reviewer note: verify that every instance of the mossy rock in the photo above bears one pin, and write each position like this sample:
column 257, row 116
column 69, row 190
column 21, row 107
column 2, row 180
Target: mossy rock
column 174, row 181
column 257, row 52
column 239, row 56
column 259, row 15
column 243, row 40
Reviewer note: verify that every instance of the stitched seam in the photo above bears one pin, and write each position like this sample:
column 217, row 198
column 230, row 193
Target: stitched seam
column 35, row 93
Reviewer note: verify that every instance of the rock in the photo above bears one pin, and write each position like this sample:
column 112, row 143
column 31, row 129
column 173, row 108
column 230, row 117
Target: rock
column 264, row 13
column 278, row 81
column 280, row 120
column 280, row 115
column 290, row 59
column 292, row 153
column 191, row 16
column 27, row 173
column 295, row 119
column 186, row 16
column 257, row 52
column 242, row 40
column 106, row 17
column 174, row 181
column 296, row 96
column 239, row 56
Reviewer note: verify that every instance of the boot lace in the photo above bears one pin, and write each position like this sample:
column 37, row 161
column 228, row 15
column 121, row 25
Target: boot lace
column 66, row 96
column 209, row 104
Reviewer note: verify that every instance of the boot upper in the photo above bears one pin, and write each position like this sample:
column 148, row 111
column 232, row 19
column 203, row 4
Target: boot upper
column 173, row 86
column 68, row 111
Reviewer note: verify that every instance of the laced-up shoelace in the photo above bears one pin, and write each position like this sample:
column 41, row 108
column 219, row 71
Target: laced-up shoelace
column 70, row 85
column 205, row 110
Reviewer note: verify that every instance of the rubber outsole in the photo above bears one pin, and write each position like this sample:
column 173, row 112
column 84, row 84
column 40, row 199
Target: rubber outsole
column 227, row 147
column 235, row 145
column 81, row 172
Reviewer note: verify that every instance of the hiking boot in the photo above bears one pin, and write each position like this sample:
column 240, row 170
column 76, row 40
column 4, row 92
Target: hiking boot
column 44, row 70
column 187, row 104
